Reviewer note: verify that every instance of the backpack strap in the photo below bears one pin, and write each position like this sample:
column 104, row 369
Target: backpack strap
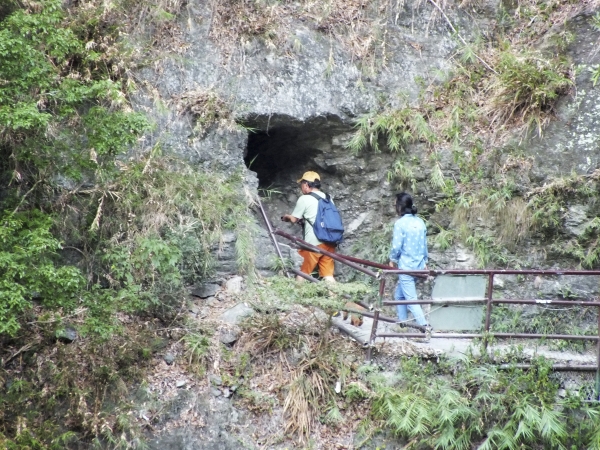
column 318, row 197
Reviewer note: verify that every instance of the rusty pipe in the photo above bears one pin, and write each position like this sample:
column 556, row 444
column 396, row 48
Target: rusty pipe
column 271, row 235
column 315, row 249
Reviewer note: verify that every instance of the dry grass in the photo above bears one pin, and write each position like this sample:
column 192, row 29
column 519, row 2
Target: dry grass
column 207, row 109
column 235, row 22
column 511, row 217
column 533, row 18
column 514, row 222
column 311, row 387
column 302, row 355
column 358, row 26
column 304, row 393
column 266, row 335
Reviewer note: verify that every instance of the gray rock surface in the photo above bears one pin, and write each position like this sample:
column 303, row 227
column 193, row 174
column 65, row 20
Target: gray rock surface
column 300, row 99
column 237, row 313
column 220, row 424
column 228, row 337
column 169, row 358
column 206, row 290
column 66, row 334
column 234, row 285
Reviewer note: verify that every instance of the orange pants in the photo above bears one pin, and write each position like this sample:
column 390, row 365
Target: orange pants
column 311, row 259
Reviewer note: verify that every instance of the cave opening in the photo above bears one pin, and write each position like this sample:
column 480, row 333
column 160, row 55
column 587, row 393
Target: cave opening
column 273, row 154
column 281, row 148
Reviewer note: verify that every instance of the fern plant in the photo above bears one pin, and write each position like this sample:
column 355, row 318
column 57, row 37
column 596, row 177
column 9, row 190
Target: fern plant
column 481, row 407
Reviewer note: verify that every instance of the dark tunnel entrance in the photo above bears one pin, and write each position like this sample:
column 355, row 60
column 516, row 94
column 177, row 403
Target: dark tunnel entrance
column 281, row 148
column 273, row 154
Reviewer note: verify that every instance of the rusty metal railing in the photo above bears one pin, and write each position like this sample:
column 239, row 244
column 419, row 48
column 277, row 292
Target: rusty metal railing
column 384, row 271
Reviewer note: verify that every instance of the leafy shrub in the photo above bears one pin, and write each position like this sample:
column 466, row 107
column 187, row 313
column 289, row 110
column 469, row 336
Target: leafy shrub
column 55, row 80
column 28, row 269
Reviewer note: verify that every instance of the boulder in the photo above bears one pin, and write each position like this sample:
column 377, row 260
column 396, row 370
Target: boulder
column 206, row 290
column 237, row 313
column 67, row 334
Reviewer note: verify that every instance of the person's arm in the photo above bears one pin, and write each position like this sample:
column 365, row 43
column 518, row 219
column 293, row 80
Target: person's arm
column 426, row 251
column 397, row 241
column 289, row 218
column 298, row 212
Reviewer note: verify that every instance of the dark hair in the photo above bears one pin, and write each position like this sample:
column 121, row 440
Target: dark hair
column 314, row 184
column 404, row 204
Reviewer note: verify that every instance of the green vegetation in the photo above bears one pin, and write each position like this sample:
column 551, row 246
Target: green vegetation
column 399, row 127
column 27, row 250
column 62, row 110
column 547, row 320
column 526, row 89
column 280, row 293
column 307, row 358
column 550, row 204
column 477, row 405
column 85, row 383
column 96, row 240
column 451, row 404
column 141, row 229
column 142, row 238
column 375, row 246
column 91, row 239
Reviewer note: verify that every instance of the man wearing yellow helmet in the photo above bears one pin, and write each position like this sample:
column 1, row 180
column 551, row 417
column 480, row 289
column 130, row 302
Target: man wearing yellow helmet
column 306, row 210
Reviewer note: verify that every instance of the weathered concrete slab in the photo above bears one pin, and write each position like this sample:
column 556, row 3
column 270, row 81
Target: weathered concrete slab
column 459, row 302
column 459, row 288
column 452, row 347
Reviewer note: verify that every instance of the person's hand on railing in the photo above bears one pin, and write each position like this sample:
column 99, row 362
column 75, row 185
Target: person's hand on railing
column 392, row 264
column 292, row 219
column 430, row 278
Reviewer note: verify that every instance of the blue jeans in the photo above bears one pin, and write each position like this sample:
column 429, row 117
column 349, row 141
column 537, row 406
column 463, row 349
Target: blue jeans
column 406, row 290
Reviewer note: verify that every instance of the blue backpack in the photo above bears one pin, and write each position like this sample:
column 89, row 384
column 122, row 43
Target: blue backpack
column 328, row 227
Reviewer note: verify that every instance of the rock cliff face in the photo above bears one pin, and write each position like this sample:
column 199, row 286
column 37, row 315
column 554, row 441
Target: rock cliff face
column 291, row 92
column 284, row 99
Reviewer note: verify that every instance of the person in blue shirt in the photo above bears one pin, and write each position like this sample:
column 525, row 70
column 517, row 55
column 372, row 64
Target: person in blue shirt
column 409, row 252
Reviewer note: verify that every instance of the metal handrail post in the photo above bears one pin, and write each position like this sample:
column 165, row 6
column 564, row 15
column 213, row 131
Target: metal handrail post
column 373, row 335
column 272, row 235
column 488, row 311
column 598, row 361
column 381, row 292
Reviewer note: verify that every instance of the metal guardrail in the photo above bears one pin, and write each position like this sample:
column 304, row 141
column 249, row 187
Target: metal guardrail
column 486, row 335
